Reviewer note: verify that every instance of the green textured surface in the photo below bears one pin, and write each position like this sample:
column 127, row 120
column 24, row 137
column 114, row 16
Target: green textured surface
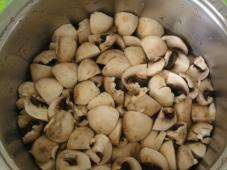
column 4, row 4
column 225, row 1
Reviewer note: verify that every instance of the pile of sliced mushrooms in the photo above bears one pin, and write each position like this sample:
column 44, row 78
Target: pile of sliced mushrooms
column 116, row 93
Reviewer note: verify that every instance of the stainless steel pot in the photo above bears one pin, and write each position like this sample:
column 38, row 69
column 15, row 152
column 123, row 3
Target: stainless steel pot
column 29, row 31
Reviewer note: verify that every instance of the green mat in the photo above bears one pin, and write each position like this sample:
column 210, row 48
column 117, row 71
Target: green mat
column 4, row 4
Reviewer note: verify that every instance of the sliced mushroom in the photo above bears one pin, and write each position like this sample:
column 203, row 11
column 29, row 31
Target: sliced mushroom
column 155, row 67
column 108, row 55
column 20, row 103
column 135, row 55
column 116, row 133
column 39, row 71
column 80, row 138
column 198, row 149
column 27, row 88
column 101, row 167
column 103, row 119
column 136, row 125
column 126, row 23
column 128, row 163
column 131, row 41
column 98, row 80
column 66, row 30
column 83, row 30
column 148, row 26
column 80, row 114
column 50, row 165
column 175, row 42
column 45, row 57
column 86, row 50
column 166, row 119
column 87, row 69
column 100, row 22
column 85, row 91
column 71, row 159
column 110, row 41
column 152, row 159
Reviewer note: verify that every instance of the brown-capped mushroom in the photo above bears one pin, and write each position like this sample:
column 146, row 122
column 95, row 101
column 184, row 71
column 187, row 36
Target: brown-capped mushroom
column 39, row 71
column 131, row 41
column 66, row 30
column 83, row 30
column 108, row 55
column 116, row 133
column 128, row 163
column 135, row 55
column 27, row 88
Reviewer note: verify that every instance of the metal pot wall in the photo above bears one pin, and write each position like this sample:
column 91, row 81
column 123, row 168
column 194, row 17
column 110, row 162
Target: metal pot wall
column 29, row 31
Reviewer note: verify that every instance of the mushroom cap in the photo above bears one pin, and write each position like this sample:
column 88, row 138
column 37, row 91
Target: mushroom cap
column 26, row 88
column 103, row 119
column 148, row 26
column 45, row 57
column 66, row 74
column 83, row 30
column 39, row 71
column 71, row 159
column 85, row 91
column 100, row 22
column 135, row 55
column 48, row 89
column 116, row 133
column 129, row 163
column 108, row 55
column 136, row 125
column 87, row 69
column 126, row 23
column 66, row 30
column 131, row 41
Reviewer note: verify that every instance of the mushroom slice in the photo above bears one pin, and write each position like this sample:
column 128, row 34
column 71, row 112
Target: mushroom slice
column 20, row 103
column 101, row 167
column 80, row 138
column 66, row 74
column 50, row 165
column 131, row 41
column 87, row 69
column 44, row 149
column 135, row 55
column 155, row 67
column 80, row 114
column 111, row 40
column 83, row 30
column 178, row 132
column 98, row 80
column 85, row 91
column 100, row 22
column 148, row 26
column 166, row 119
column 126, row 23
column 200, row 132
column 127, row 150
column 206, row 93
column 48, row 88
column 103, row 119
column 66, row 30
column 203, row 113
column 129, row 163
column 198, row 149
column 86, row 50
column 71, row 159
column 168, row 151
column 115, row 135
column 116, row 66
column 45, row 57
column 154, row 140
column 101, row 149
column 60, row 127
column 175, row 42
column 136, row 125
column 27, row 88
column 150, row 159
column 199, row 69
column 39, row 71
column 154, row 47
column 108, row 55
column 185, row 159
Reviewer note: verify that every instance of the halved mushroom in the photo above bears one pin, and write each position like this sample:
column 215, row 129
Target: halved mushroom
column 39, row 71
column 128, row 163
column 154, row 47
column 135, row 55
column 150, row 159
column 60, row 127
column 175, row 42
column 98, row 80
column 66, row 74
column 154, row 140
column 27, row 88
column 66, row 30
column 80, row 138
column 71, row 159
column 131, row 41
column 86, row 50
column 198, row 149
column 101, row 149
column 87, row 69
column 45, row 57
column 148, row 26
column 166, row 119
column 83, row 30
column 126, row 23
column 108, row 55
column 85, row 91
column 48, row 89
column 100, row 22
column 44, row 149
column 115, row 135
column 136, row 125
column 103, row 119
column 101, row 167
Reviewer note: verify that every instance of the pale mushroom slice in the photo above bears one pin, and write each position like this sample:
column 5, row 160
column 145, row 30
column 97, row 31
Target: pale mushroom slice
column 128, row 163
column 150, row 159
column 198, row 149
column 20, row 103
column 175, row 42
column 85, row 91
column 131, row 41
column 100, row 22
column 165, row 119
column 71, row 159
column 126, row 23
column 80, row 114
column 66, row 74
column 154, row 140
column 168, row 151
column 203, row 113
column 136, row 125
column 87, row 69
column 148, row 26
column 112, row 40
column 80, row 138
column 46, row 57
column 101, row 149
column 155, row 67
column 103, row 119
column 66, row 30
column 27, row 89
column 83, row 30
column 39, row 71
column 86, row 50
column 98, row 80
column 154, row 47
column 116, row 133
column 101, row 167
column 108, row 55
column 135, row 55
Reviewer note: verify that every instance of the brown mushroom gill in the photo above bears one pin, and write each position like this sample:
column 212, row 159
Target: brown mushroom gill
column 125, row 166
column 172, row 60
column 177, row 90
column 71, row 161
column 134, row 79
column 176, row 126
column 38, row 103
column 148, row 166
column 63, row 104
column 168, row 115
column 208, row 93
